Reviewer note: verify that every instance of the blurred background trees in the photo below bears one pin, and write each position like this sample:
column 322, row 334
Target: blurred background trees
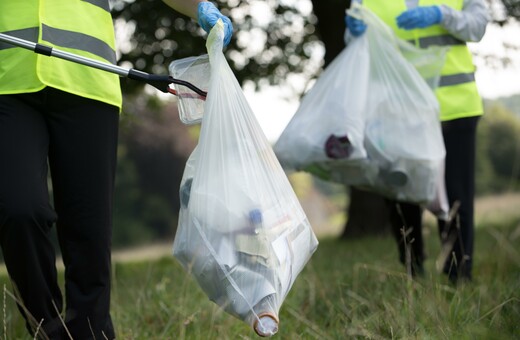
column 275, row 42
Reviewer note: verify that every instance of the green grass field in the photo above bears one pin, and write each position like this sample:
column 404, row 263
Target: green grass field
column 348, row 290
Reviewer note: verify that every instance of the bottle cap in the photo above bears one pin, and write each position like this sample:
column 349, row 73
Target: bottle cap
column 266, row 324
column 397, row 178
column 255, row 216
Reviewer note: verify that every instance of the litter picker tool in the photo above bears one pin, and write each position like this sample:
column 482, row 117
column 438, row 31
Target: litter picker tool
column 160, row 82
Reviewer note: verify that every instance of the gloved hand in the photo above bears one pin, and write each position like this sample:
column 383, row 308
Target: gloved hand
column 419, row 17
column 355, row 26
column 208, row 15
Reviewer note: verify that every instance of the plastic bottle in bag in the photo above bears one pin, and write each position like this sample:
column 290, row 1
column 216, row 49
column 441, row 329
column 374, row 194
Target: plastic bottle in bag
column 255, row 300
column 255, row 216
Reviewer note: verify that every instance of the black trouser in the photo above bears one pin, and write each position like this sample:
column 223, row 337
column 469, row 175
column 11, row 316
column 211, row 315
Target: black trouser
column 460, row 141
column 406, row 223
column 78, row 139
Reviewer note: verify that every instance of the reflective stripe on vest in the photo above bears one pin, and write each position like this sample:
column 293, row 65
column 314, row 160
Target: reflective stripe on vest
column 78, row 41
column 82, row 27
column 100, row 3
column 439, row 40
column 30, row 34
column 457, row 92
column 456, row 79
column 446, row 40
column 62, row 38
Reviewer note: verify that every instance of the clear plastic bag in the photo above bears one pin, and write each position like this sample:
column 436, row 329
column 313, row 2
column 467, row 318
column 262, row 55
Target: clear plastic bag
column 195, row 70
column 403, row 133
column 326, row 135
column 427, row 61
column 242, row 232
column 376, row 98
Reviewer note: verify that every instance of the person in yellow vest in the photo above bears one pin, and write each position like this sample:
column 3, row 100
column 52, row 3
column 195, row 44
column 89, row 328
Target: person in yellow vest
column 63, row 115
column 447, row 23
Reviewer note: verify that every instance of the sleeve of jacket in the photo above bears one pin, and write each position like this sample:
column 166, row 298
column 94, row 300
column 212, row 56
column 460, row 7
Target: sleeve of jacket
column 468, row 24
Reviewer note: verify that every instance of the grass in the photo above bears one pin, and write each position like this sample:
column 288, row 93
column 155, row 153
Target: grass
column 349, row 290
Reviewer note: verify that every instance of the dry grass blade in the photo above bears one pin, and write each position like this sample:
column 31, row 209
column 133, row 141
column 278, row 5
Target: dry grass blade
column 497, row 307
column 31, row 320
column 448, row 239
column 61, row 320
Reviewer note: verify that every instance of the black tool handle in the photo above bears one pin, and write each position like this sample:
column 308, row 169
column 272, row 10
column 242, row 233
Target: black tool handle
column 159, row 82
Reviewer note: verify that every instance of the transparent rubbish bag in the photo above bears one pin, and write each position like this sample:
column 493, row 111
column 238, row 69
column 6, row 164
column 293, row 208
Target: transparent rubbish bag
column 242, row 233
column 377, row 98
column 326, row 134
column 195, row 70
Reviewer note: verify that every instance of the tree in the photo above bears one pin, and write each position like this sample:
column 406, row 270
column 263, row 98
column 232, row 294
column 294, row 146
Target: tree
column 512, row 10
column 273, row 39
column 499, row 150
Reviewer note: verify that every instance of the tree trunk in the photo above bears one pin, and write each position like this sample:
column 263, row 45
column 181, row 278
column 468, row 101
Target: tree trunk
column 367, row 212
column 331, row 25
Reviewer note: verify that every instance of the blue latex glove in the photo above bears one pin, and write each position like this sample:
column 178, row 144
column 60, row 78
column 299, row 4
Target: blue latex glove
column 355, row 26
column 419, row 17
column 208, row 15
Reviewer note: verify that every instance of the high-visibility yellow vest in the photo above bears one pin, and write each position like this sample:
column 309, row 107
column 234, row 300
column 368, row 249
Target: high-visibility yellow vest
column 457, row 92
column 82, row 27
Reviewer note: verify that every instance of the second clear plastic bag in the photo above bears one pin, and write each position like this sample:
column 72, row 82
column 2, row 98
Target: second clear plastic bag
column 242, row 232
column 326, row 134
column 371, row 120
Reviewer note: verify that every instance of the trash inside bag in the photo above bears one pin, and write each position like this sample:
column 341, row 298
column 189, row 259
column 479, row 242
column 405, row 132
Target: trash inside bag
column 242, row 233
column 195, row 70
column 371, row 120
column 326, row 135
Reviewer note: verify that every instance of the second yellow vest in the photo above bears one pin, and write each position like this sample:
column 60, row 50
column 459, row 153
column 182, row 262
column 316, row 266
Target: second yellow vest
column 457, row 92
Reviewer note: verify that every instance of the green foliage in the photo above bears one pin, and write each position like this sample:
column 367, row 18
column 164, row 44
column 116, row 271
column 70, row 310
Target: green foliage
column 512, row 103
column 261, row 51
column 504, row 142
column 512, row 8
column 498, row 150
column 160, row 35
column 153, row 148
column 129, row 226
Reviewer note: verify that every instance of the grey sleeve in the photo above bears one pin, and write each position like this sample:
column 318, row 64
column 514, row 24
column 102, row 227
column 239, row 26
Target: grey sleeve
column 468, row 24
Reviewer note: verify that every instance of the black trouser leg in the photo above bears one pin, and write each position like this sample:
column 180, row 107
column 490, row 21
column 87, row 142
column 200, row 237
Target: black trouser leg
column 79, row 136
column 26, row 216
column 82, row 158
column 460, row 141
column 406, row 224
